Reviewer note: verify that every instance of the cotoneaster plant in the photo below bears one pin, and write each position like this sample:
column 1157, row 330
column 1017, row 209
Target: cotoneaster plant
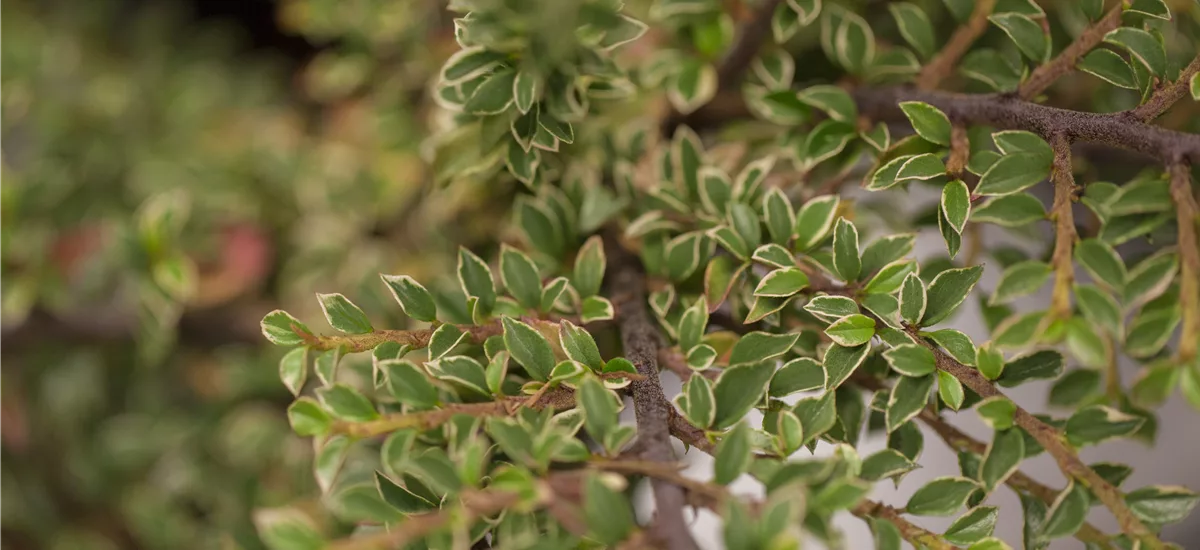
column 683, row 177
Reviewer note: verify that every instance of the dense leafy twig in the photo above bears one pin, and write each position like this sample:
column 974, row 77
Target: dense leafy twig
column 1065, row 61
column 1009, row 113
column 1052, row 440
column 1167, row 95
column 943, row 63
column 558, row 398
column 417, row 338
column 1064, row 227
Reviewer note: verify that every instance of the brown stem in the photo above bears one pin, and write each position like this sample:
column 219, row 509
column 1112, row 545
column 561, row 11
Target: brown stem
column 1047, row 73
column 1064, row 227
column 651, row 408
column 1166, row 96
column 1052, row 440
column 960, row 149
column 1187, row 214
column 1009, row 113
column 943, row 63
column 749, row 39
column 1112, row 386
column 914, row 534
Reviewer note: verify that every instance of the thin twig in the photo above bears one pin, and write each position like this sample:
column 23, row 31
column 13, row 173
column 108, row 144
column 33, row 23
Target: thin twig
column 1045, row 75
column 943, row 63
column 1052, row 440
column 1064, row 227
column 1166, row 96
column 417, row 338
column 1009, row 113
column 1187, row 215
column 916, row 535
column 559, row 399
column 651, row 408
column 960, row 149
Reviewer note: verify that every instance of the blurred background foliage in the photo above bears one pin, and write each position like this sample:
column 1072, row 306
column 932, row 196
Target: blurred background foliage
column 172, row 170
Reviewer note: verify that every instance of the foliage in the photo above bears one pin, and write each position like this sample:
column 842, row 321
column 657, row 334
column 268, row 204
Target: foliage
column 728, row 256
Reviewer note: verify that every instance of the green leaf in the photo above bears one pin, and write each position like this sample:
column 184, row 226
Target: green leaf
column 941, row 497
column 1012, row 173
column 956, row 204
column 595, row 308
column 854, row 43
column 929, row 122
column 1020, row 279
column 599, row 409
column 476, row 280
column 1026, row 33
column 950, row 390
column 520, row 276
column 947, row 292
column 287, row 529
column 828, row 139
column 1012, row 210
column 890, row 277
column 293, row 370
column 1074, row 388
column 997, row 412
column 1067, row 513
column 1098, row 307
column 797, row 375
column 733, row 455
column 886, row 250
column 831, row 308
column 915, row 27
column 782, row 283
column 990, row 362
column 746, row 224
column 1142, row 45
column 730, row 240
column 1019, row 330
column 343, row 315
column 277, row 328
column 845, row 250
column 760, row 346
column 814, row 220
column 975, row 525
column 912, row 299
column 1151, row 328
column 461, row 372
column 1141, row 196
column 885, row 464
column 401, row 498
column 957, row 344
column 1101, row 262
column 409, row 384
column 817, row 414
column 698, row 402
column 1109, row 67
column 1096, row 423
column 308, row 418
column 444, row 339
column 1162, row 504
column 493, row 95
column 416, row 302
column 1039, row 365
column 833, row 100
column 683, row 255
column 694, row 85
column 779, row 215
column 909, row 395
column 716, row 191
column 1154, row 385
column 608, row 512
column 841, row 361
column 910, row 360
column 852, row 330
column 579, row 346
column 925, row 166
column 738, row 390
column 692, row 324
column 993, row 69
column 347, row 403
column 1002, row 458
column 529, row 348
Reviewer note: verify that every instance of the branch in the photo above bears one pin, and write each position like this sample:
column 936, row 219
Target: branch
column 749, row 39
column 1047, row 73
column 1052, row 440
column 639, row 336
column 943, row 63
column 914, row 534
column 1186, row 216
column 417, row 339
column 1166, row 96
column 960, row 149
column 1009, row 113
column 559, row 399
column 1064, row 227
